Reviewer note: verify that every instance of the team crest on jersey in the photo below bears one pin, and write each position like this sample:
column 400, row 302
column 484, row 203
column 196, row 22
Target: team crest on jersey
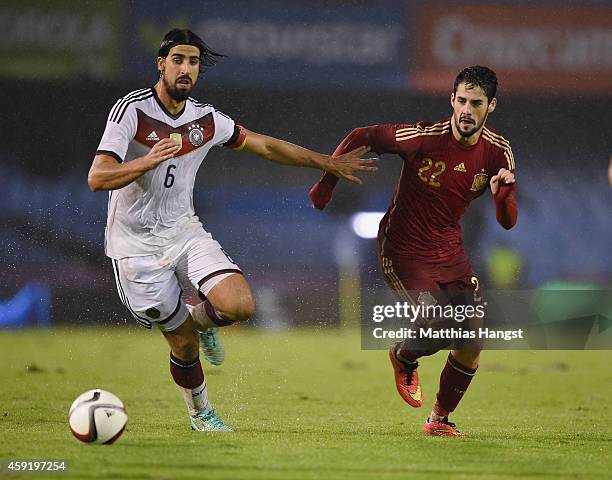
column 479, row 182
column 196, row 137
column 177, row 138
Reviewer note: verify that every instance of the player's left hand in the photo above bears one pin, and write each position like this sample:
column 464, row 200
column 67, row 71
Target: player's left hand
column 345, row 165
column 503, row 177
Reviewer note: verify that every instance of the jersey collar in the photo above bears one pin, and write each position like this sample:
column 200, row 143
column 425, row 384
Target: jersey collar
column 164, row 109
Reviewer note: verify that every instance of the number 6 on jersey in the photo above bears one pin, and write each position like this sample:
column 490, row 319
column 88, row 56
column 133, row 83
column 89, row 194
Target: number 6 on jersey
column 169, row 180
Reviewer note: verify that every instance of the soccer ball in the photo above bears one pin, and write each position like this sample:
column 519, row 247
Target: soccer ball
column 97, row 416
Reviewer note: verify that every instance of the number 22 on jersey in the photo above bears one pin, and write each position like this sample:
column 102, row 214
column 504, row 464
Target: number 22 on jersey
column 437, row 170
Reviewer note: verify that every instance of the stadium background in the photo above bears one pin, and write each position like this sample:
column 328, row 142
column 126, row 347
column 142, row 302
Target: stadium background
column 307, row 72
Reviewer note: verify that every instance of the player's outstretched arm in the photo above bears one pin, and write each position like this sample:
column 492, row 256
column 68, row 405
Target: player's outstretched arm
column 344, row 166
column 107, row 174
column 502, row 188
column 321, row 192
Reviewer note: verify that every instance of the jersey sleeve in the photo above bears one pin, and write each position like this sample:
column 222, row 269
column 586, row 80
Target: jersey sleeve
column 224, row 128
column 119, row 132
column 502, row 158
column 381, row 138
column 394, row 138
column 238, row 139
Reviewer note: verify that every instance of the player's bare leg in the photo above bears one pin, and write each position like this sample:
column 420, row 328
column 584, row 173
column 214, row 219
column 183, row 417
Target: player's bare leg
column 188, row 375
column 469, row 358
column 232, row 300
column 229, row 301
column 455, row 379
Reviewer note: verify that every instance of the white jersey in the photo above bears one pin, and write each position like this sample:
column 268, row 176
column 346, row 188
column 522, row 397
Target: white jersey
column 156, row 209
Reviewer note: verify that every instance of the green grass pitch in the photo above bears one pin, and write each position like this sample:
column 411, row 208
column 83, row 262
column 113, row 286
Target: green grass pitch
column 305, row 404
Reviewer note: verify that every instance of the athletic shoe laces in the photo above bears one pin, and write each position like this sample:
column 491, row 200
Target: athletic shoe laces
column 450, row 424
column 211, row 417
column 210, row 337
column 410, row 368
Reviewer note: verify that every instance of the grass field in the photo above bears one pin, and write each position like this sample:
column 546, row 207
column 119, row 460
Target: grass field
column 305, row 404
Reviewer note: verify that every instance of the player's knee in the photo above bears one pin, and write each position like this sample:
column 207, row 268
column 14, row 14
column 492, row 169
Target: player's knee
column 241, row 309
column 186, row 351
column 185, row 347
column 245, row 308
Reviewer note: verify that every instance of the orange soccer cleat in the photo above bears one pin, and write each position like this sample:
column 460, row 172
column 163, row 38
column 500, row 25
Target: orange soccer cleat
column 406, row 380
column 442, row 428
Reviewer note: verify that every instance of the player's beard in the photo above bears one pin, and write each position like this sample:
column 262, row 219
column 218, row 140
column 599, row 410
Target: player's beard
column 469, row 133
column 176, row 94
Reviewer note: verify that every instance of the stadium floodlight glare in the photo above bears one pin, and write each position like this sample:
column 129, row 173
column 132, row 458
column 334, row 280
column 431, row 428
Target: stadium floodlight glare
column 365, row 224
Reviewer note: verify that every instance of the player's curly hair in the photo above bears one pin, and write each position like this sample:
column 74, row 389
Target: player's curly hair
column 478, row 76
column 177, row 36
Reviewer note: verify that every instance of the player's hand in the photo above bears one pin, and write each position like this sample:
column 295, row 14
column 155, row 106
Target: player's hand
column 503, row 177
column 345, row 165
column 163, row 150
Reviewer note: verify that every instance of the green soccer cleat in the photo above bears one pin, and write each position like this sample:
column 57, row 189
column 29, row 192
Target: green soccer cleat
column 211, row 346
column 208, row 421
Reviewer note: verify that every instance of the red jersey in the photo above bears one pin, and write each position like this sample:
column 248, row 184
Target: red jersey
column 439, row 178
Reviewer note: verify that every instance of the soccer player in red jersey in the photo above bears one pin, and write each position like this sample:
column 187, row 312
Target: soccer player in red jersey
column 446, row 165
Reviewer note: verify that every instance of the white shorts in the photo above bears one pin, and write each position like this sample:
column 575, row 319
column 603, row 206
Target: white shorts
column 151, row 286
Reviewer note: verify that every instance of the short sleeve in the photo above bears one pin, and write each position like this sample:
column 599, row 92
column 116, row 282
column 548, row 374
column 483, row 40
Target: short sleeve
column 119, row 132
column 238, row 139
column 224, row 128
column 381, row 138
column 393, row 138
column 503, row 158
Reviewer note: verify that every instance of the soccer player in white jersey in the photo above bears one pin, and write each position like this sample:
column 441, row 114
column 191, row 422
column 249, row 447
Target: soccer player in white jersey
column 154, row 142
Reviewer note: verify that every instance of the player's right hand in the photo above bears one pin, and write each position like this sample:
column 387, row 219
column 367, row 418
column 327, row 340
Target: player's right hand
column 503, row 177
column 345, row 165
column 163, row 150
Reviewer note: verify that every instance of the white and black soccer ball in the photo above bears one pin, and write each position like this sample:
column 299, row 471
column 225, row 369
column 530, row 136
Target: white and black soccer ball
column 97, row 416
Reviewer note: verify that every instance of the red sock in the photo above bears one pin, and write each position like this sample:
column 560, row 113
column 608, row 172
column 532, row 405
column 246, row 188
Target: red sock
column 187, row 374
column 405, row 356
column 454, row 381
column 189, row 378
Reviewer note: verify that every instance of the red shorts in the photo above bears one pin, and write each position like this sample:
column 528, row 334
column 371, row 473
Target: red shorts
column 406, row 275
column 451, row 281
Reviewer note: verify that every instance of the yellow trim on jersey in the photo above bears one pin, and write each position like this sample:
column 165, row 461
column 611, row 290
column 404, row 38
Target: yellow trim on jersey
column 507, row 150
column 505, row 146
column 510, row 162
column 505, row 143
column 430, row 127
column 410, row 131
column 417, row 132
column 400, row 138
column 400, row 133
column 497, row 136
column 241, row 146
column 395, row 281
